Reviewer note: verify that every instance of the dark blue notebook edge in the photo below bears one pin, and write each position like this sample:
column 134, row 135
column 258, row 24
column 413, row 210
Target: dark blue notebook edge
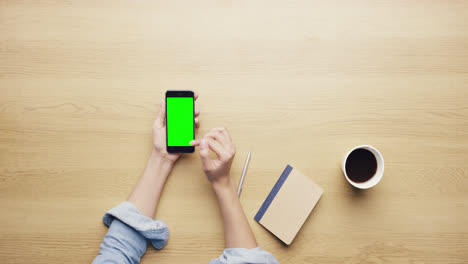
column 273, row 192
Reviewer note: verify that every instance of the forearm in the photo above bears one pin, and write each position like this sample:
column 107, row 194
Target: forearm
column 126, row 240
column 122, row 244
column 147, row 192
column 236, row 227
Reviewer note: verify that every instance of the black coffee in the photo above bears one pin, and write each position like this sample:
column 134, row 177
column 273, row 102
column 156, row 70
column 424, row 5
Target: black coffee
column 361, row 165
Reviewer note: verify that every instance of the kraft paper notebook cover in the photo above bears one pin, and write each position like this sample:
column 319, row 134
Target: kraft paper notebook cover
column 289, row 204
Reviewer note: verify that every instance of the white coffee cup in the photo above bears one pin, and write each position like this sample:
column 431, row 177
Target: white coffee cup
column 378, row 174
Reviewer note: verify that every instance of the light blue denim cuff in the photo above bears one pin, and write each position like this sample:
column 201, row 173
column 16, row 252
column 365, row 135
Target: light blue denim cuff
column 154, row 230
column 243, row 255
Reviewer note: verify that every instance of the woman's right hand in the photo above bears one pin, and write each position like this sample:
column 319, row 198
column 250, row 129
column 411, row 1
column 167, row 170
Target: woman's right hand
column 219, row 141
column 237, row 232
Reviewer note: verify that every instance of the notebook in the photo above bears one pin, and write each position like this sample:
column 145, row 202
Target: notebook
column 289, row 204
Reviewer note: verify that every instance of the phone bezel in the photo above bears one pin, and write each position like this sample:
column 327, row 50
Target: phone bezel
column 180, row 149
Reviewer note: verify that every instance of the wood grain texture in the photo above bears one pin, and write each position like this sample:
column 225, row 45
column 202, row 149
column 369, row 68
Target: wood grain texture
column 295, row 82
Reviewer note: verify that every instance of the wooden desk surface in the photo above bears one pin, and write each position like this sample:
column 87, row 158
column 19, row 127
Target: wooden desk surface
column 295, row 82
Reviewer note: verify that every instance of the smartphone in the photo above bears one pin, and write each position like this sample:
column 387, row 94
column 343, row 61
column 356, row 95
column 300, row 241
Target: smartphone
column 180, row 121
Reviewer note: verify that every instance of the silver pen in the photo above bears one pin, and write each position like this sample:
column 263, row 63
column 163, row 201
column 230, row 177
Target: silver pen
column 239, row 189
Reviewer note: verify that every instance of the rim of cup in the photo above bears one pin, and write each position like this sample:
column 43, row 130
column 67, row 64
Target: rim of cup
column 378, row 174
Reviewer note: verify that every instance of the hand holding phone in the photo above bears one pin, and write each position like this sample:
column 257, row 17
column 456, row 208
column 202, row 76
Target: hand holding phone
column 160, row 130
column 180, row 121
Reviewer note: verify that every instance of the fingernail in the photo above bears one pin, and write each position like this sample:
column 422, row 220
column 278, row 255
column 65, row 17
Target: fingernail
column 192, row 142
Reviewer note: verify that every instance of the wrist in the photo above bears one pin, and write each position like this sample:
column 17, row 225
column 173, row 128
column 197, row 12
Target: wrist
column 164, row 162
column 222, row 183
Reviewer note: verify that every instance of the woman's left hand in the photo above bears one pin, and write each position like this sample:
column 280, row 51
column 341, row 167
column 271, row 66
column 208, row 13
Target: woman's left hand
column 159, row 133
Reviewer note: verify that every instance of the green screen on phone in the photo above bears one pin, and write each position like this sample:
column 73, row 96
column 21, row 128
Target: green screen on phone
column 179, row 121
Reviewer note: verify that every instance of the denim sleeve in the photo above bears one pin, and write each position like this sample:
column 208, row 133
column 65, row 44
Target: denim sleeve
column 245, row 256
column 128, row 235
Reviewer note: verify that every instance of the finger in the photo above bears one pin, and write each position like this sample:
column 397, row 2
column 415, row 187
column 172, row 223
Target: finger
column 195, row 142
column 195, row 96
column 197, row 123
column 217, row 138
column 224, row 132
column 221, row 130
column 228, row 141
column 217, row 148
column 216, row 133
column 197, row 112
column 223, row 136
column 161, row 117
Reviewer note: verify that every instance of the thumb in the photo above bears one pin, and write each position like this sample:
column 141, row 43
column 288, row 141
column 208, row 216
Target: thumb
column 161, row 117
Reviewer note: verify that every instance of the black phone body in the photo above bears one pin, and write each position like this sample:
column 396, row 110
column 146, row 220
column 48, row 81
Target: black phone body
column 180, row 121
